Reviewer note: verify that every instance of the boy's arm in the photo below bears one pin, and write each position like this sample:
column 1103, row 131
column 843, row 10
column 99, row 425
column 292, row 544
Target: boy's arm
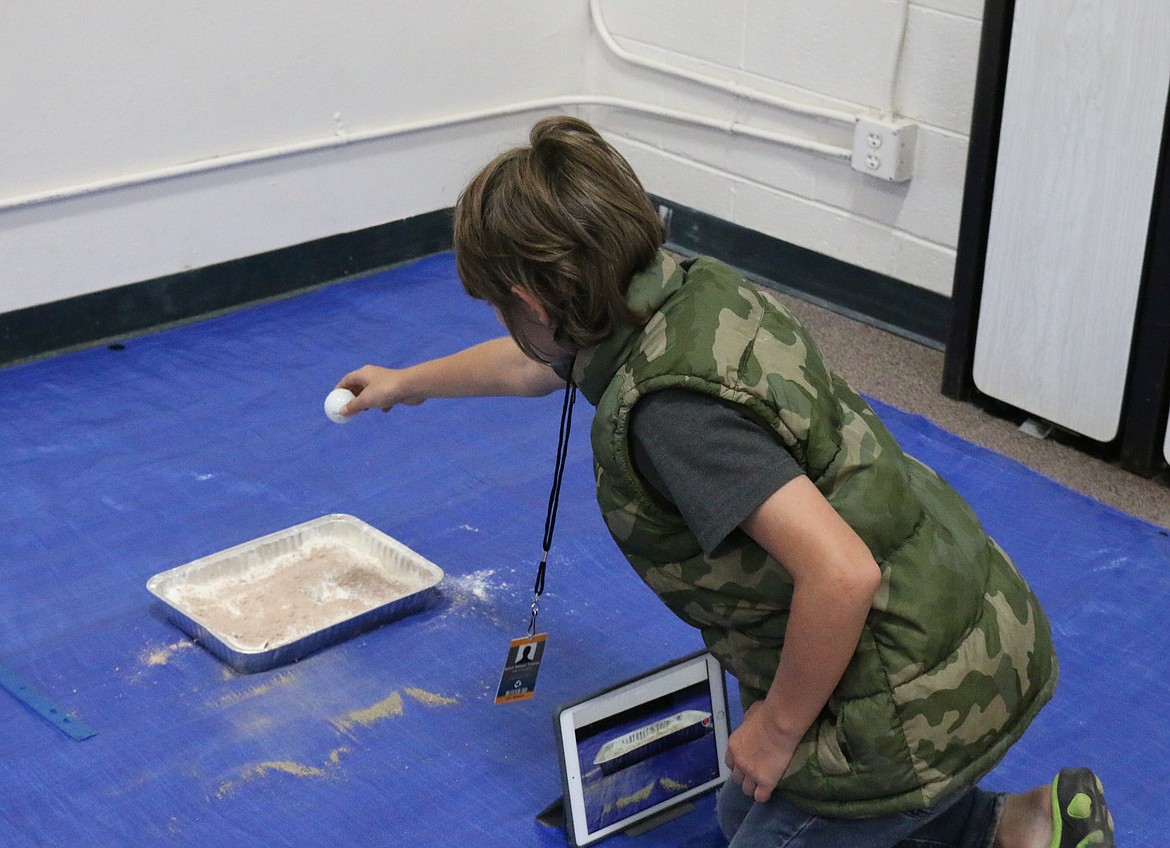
column 835, row 580
column 491, row 368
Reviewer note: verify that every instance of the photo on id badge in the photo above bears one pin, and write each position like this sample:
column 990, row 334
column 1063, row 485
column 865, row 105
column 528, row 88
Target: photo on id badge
column 518, row 682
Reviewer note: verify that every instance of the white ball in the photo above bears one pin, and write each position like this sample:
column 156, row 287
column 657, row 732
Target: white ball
column 334, row 401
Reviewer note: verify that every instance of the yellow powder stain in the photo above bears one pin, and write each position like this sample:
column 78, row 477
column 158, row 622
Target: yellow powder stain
column 636, row 797
column 388, row 707
column 162, row 656
column 286, row 766
column 672, row 785
column 430, row 698
column 254, row 725
column 282, row 679
column 260, row 770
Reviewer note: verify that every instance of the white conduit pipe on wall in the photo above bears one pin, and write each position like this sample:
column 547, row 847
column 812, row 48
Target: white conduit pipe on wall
column 338, row 141
column 890, row 107
column 755, row 95
column 733, row 88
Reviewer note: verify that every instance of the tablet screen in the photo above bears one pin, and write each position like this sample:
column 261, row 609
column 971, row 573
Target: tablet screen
column 639, row 748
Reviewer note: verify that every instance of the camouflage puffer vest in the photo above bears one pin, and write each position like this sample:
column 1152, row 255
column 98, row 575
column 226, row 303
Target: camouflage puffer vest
column 956, row 656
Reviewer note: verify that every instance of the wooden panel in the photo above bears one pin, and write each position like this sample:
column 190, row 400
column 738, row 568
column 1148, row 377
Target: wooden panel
column 1082, row 126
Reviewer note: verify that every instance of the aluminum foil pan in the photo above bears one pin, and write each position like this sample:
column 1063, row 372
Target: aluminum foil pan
column 284, row 596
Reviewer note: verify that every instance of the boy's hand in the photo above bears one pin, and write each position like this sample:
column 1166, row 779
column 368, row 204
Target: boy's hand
column 758, row 752
column 376, row 387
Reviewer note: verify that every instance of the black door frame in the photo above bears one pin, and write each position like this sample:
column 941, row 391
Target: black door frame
column 1139, row 445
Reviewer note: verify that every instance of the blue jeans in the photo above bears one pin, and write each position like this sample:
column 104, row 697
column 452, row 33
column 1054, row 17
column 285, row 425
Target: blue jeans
column 966, row 820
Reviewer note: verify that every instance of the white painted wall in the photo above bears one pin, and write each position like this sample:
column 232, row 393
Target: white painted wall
column 95, row 92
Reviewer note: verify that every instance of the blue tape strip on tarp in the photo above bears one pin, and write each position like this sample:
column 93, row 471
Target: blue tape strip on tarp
column 67, row 723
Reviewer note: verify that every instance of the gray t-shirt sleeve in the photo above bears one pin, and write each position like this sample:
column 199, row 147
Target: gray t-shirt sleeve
column 706, row 458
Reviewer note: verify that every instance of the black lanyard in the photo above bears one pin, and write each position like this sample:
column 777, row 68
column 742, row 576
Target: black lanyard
column 554, row 496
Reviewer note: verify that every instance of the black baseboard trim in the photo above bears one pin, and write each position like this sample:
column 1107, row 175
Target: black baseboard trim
column 868, row 296
column 139, row 307
column 106, row 316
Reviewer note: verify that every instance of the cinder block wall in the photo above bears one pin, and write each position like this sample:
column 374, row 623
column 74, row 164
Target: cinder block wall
column 830, row 52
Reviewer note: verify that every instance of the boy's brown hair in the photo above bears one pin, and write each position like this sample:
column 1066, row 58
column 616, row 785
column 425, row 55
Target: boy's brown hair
column 565, row 219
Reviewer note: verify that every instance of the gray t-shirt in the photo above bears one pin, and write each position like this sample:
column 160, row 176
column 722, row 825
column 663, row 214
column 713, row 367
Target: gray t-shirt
column 707, row 459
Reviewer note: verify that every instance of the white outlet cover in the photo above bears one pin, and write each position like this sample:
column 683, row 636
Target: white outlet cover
column 884, row 148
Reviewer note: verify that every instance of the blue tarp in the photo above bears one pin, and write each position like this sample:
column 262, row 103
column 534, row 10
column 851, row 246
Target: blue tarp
column 119, row 464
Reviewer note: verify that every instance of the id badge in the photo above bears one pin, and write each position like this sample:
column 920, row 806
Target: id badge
column 518, row 682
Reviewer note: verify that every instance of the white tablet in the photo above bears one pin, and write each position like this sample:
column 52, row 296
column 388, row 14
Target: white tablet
column 641, row 747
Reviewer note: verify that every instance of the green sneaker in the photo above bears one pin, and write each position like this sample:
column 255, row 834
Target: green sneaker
column 1080, row 817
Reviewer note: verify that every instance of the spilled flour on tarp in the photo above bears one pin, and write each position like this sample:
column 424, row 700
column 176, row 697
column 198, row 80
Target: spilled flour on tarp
column 286, row 766
column 260, row 770
column 388, row 707
column 468, row 592
column 162, row 656
column 391, row 706
column 430, row 698
column 284, row 678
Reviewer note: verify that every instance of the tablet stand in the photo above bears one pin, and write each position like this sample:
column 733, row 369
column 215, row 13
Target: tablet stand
column 554, row 816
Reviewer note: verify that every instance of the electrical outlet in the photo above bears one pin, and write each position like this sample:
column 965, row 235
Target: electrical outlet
column 884, row 148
